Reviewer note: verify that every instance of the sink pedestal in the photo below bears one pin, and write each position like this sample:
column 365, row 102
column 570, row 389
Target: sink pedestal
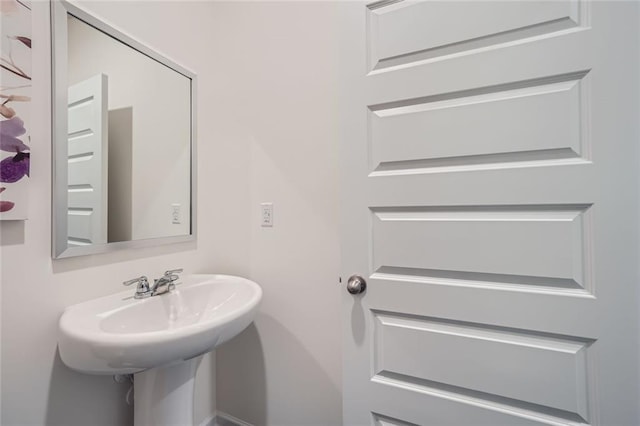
column 119, row 334
column 163, row 396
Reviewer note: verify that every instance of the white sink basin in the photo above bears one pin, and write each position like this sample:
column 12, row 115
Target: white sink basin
column 120, row 335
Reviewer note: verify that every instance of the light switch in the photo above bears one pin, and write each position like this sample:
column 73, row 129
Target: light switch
column 175, row 214
column 266, row 214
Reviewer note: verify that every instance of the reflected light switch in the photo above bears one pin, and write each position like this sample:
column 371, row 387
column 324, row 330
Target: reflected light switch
column 175, row 214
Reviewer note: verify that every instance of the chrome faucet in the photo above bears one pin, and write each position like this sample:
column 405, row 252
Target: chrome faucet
column 165, row 283
column 160, row 286
column 142, row 290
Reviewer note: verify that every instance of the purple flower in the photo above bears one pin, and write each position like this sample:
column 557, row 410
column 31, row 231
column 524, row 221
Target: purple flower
column 9, row 132
column 12, row 169
column 24, row 40
column 6, row 206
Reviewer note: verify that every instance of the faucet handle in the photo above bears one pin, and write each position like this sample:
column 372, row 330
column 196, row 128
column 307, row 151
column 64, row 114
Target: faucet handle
column 140, row 280
column 172, row 275
column 142, row 290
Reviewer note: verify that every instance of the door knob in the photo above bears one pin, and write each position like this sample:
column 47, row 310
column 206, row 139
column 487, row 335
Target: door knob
column 356, row 284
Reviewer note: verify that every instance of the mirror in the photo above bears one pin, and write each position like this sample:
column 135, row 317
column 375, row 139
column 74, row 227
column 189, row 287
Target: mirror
column 124, row 140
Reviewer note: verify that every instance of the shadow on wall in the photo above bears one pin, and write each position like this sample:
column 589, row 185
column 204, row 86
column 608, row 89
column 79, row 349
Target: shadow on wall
column 242, row 378
column 11, row 232
column 70, row 404
column 120, row 175
column 92, row 261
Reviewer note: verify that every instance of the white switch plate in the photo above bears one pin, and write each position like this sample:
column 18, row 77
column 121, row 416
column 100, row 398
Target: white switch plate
column 266, row 214
column 175, row 214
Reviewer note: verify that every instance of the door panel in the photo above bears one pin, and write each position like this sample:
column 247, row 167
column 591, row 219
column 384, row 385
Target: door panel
column 402, row 133
column 87, row 162
column 408, row 404
column 434, row 352
column 408, row 31
column 530, row 245
column 492, row 201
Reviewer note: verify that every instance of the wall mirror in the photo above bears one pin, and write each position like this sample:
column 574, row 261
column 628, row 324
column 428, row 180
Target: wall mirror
column 124, row 140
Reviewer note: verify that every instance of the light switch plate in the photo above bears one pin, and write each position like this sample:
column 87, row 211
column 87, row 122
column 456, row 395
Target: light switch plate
column 175, row 214
column 266, row 214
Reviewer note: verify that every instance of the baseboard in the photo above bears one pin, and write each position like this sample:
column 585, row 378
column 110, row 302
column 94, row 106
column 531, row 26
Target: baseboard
column 223, row 419
column 209, row 421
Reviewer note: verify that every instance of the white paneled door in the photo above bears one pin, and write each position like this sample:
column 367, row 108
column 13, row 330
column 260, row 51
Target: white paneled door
column 87, row 157
column 491, row 204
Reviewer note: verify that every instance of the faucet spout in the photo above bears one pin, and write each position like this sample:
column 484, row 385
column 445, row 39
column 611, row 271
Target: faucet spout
column 165, row 283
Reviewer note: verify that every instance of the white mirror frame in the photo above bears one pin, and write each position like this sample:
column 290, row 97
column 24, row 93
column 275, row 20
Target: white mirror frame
column 60, row 249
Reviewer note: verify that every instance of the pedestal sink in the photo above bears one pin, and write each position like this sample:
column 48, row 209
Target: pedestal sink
column 158, row 339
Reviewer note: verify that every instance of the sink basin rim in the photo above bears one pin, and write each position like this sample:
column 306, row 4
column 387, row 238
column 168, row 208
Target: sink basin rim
column 85, row 346
column 91, row 331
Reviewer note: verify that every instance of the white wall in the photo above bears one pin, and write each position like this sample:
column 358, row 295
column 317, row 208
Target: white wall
column 36, row 388
column 268, row 131
column 278, row 64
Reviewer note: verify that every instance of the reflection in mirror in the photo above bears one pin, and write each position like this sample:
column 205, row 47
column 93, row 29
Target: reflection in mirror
column 123, row 140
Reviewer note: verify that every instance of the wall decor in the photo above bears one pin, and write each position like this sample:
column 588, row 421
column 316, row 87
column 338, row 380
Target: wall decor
column 15, row 97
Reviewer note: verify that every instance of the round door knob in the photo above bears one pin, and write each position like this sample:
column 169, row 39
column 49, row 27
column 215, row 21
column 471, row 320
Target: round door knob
column 356, row 284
